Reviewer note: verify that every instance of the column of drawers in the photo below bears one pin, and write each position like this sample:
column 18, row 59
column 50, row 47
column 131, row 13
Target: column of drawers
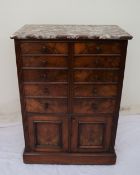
column 45, row 63
column 96, row 74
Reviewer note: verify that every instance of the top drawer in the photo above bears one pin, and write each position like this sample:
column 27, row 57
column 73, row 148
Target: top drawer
column 97, row 47
column 44, row 48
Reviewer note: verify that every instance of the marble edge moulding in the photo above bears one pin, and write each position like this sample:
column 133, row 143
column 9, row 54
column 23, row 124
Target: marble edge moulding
column 48, row 31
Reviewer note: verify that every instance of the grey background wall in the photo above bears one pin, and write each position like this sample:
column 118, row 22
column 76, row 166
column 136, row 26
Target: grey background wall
column 16, row 13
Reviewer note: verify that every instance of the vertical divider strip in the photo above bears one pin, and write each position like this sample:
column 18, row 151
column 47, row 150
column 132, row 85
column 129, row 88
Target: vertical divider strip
column 70, row 90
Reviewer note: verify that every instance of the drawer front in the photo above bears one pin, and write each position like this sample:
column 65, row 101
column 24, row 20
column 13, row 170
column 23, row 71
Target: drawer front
column 96, row 75
column 90, row 106
column 46, row 105
column 44, row 61
column 97, row 62
column 95, row 90
column 44, row 48
column 45, row 75
column 97, row 47
column 45, row 90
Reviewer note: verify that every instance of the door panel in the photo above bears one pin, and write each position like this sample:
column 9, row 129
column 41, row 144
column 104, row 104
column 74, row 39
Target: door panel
column 91, row 134
column 48, row 133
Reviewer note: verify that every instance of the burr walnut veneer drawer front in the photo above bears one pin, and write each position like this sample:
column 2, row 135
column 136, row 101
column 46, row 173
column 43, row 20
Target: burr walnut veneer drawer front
column 53, row 90
column 97, row 61
column 44, row 75
column 90, row 106
column 40, row 105
column 44, row 61
column 97, row 47
column 44, row 48
column 96, row 75
column 95, row 90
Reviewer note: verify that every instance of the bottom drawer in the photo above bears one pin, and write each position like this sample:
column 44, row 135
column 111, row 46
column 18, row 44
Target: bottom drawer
column 48, row 133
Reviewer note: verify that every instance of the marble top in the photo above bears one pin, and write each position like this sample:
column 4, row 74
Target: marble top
column 46, row 31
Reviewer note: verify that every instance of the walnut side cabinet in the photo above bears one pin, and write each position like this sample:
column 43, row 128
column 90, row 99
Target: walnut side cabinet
column 70, row 92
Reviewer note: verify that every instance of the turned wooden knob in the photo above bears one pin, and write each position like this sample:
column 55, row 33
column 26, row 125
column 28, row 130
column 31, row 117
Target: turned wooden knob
column 97, row 78
column 94, row 106
column 94, row 90
column 98, row 49
column 96, row 62
column 44, row 49
column 73, row 119
column 46, row 91
column 46, row 105
column 44, row 61
column 43, row 76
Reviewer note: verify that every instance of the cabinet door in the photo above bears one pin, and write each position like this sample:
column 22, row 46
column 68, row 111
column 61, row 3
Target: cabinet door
column 91, row 134
column 48, row 133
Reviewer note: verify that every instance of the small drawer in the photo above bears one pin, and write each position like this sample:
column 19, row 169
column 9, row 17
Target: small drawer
column 40, row 105
column 97, row 47
column 44, row 48
column 96, row 75
column 95, row 90
column 34, row 75
column 44, row 61
column 97, row 62
column 90, row 106
column 53, row 90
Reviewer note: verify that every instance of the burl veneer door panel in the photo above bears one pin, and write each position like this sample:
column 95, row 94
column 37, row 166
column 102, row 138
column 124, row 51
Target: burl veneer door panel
column 48, row 133
column 91, row 134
